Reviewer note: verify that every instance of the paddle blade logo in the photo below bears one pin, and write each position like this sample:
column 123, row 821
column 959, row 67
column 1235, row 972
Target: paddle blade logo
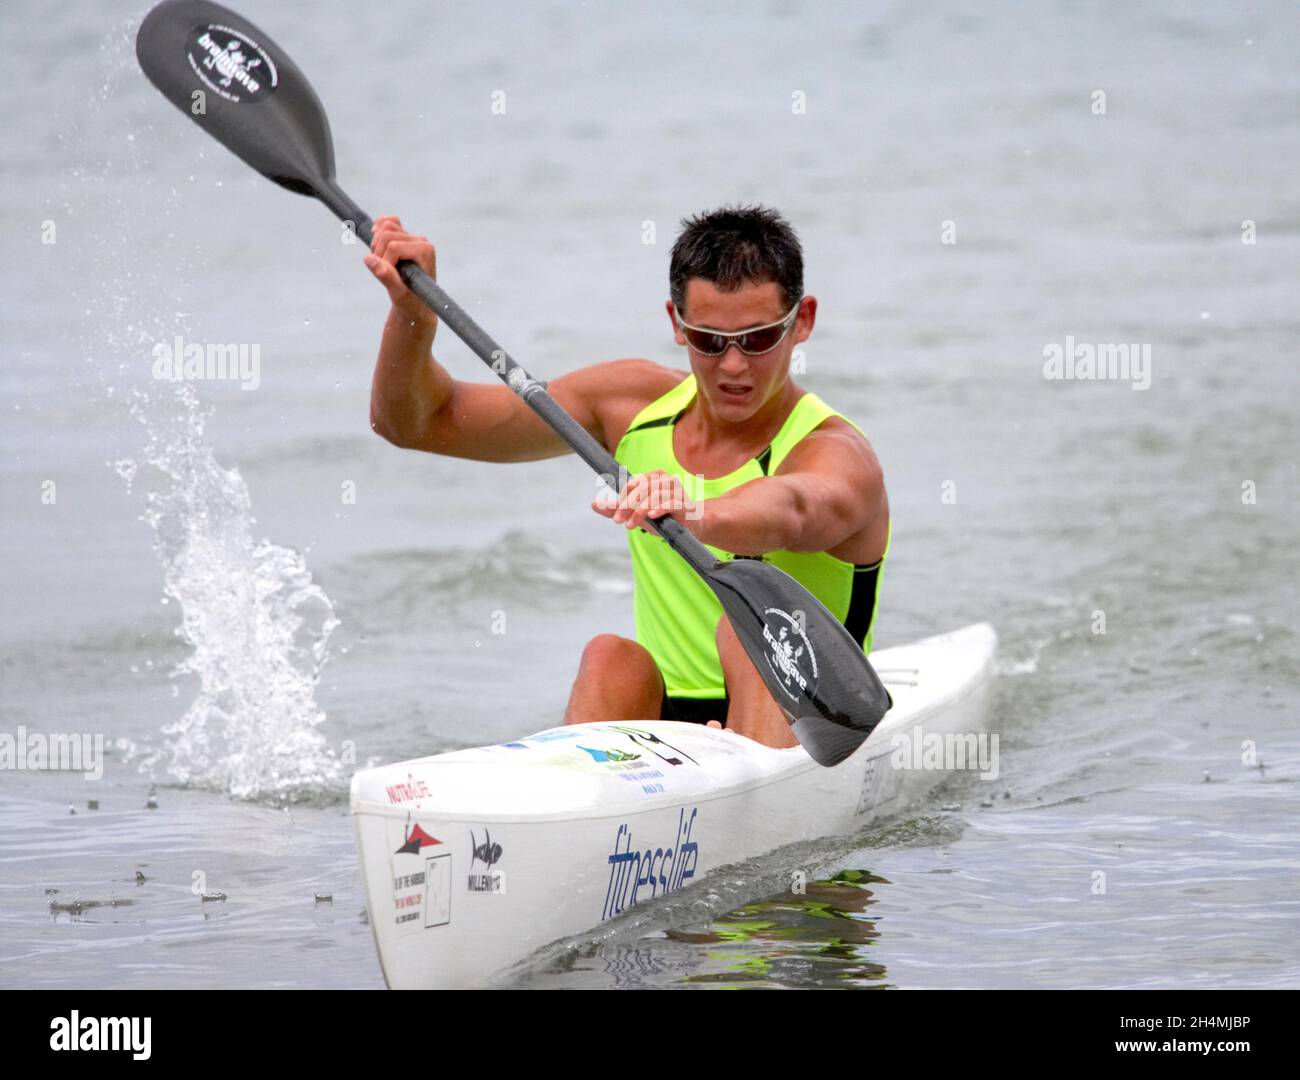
column 789, row 653
column 231, row 64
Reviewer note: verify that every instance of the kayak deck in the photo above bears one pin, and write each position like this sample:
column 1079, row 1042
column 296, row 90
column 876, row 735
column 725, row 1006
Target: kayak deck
column 475, row 858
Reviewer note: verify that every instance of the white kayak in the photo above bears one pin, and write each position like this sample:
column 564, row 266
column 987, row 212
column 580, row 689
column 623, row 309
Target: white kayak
column 475, row 858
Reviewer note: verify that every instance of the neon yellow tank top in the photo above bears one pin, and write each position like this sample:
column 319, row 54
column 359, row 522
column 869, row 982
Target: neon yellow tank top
column 676, row 613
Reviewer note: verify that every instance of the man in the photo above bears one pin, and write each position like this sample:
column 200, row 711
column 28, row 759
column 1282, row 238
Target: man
column 751, row 464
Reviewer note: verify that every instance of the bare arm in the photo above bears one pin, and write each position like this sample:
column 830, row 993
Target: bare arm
column 828, row 489
column 416, row 404
column 409, row 386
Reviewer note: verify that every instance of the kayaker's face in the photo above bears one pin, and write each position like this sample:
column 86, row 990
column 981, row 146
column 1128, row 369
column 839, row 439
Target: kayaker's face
column 735, row 384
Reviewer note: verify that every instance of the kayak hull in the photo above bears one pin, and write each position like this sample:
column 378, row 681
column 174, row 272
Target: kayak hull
column 475, row 858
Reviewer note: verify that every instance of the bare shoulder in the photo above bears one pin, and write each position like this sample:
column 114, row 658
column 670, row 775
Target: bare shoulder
column 623, row 378
column 616, row 390
column 834, row 444
column 839, row 464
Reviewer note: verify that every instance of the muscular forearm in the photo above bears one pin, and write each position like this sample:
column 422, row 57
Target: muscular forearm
column 765, row 515
column 836, row 492
column 409, row 386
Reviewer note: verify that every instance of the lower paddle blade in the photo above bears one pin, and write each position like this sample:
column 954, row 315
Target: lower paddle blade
column 241, row 88
column 810, row 663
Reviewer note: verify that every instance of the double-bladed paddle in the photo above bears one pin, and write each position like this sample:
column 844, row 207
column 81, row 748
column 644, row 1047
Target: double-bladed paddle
column 245, row 91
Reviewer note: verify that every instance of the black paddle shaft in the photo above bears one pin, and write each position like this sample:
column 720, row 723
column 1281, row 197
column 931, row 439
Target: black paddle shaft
column 249, row 95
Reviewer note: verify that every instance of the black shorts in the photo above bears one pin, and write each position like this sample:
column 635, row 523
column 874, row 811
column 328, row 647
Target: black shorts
column 695, row 710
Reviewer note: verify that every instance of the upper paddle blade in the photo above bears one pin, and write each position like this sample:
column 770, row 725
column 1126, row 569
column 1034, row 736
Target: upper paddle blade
column 812, row 666
column 240, row 87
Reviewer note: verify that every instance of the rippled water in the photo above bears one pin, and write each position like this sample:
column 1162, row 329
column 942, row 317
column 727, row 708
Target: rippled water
column 249, row 595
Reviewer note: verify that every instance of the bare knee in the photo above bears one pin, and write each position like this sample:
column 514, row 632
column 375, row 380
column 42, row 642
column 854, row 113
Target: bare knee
column 617, row 679
column 609, row 654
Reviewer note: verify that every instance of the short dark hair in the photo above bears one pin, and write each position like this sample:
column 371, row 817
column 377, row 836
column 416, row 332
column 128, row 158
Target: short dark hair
column 734, row 246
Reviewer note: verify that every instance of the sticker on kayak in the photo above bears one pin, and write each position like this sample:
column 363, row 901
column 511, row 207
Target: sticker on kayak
column 231, row 64
column 416, row 841
column 490, row 879
column 421, row 877
column 790, row 653
column 410, row 790
column 648, row 740
column 654, row 869
column 614, row 758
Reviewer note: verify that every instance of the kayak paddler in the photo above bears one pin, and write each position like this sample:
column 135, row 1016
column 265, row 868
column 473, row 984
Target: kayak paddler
column 752, row 464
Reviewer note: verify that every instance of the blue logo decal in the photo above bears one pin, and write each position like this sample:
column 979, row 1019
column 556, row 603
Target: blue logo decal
column 609, row 755
column 660, row 870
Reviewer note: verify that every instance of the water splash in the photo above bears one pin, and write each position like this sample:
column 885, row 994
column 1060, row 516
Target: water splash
column 255, row 625
column 255, row 622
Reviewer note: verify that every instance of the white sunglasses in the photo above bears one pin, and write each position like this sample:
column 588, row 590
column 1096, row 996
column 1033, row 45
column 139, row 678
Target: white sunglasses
column 752, row 342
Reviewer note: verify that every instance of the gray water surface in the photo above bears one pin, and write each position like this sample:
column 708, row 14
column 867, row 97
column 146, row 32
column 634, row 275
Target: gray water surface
column 1143, row 828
